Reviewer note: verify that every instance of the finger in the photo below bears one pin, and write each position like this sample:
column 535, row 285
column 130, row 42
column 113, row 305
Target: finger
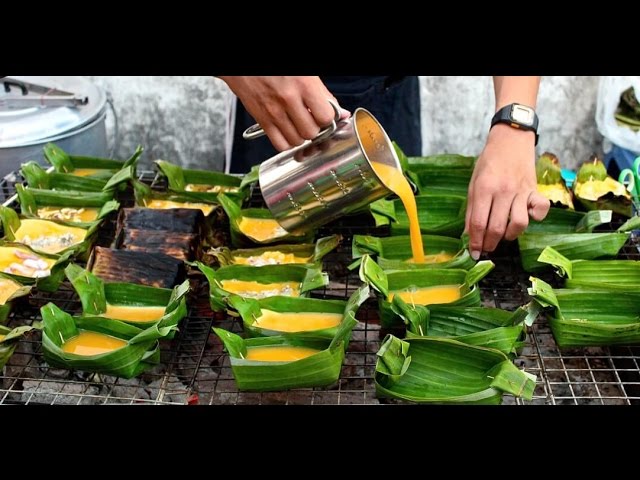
column 287, row 129
column 303, row 121
column 538, row 206
column 320, row 108
column 519, row 218
column 467, row 216
column 497, row 224
column 275, row 136
column 478, row 223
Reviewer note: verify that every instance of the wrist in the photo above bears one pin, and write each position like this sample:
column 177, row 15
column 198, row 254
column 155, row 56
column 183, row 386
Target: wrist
column 503, row 133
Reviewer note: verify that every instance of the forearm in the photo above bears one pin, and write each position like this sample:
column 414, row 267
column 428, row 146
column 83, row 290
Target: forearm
column 513, row 89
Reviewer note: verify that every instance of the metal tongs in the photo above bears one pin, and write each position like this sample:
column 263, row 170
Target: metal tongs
column 41, row 95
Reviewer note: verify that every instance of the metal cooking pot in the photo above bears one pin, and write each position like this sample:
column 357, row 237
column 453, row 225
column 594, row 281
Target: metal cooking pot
column 69, row 111
column 329, row 176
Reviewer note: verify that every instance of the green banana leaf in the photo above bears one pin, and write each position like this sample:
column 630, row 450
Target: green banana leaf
column 251, row 256
column 22, row 290
column 37, row 177
column 561, row 220
column 178, row 178
column 574, row 246
column 588, row 316
column 31, row 199
column 392, row 281
column 9, row 341
column 482, row 326
column 239, row 239
column 440, row 181
column 96, row 294
column 250, row 310
column 441, row 162
column 594, row 274
column 393, row 252
column 443, row 370
column 49, row 283
column 11, row 223
column 250, row 178
column 140, row 353
column 62, row 162
column 308, row 277
column 318, row 370
column 144, row 194
column 437, row 214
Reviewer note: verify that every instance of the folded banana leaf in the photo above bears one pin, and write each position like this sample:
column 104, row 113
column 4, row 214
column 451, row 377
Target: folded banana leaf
column 96, row 296
column 560, row 220
column 282, row 254
column 441, row 181
column 394, row 282
column 146, row 197
column 596, row 190
column 90, row 167
column 124, row 266
column 438, row 215
column 251, row 311
column 81, row 209
column 243, row 234
column 261, row 282
column 201, row 184
column 37, row 177
column 482, row 326
column 550, row 181
column 394, row 252
column 28, row 267
column 443, row 370
column 10, row 289
column 589, row 317
column 9, row 341
column 574, row 246
column 47, row 236
column 138, row 352
column 320, row 369
column 594, row 274
column 175, row 220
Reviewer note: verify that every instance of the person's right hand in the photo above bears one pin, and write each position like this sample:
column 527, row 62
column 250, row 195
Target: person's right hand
column 289, row 109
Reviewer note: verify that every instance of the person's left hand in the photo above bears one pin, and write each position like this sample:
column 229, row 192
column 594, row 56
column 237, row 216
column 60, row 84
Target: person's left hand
column 503, row 190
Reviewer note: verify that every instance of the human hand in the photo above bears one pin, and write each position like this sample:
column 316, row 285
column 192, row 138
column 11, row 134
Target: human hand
column 289, row 109
column 503, row 190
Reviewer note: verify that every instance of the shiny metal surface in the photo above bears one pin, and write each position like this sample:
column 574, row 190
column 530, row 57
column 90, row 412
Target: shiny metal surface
column 320, row 181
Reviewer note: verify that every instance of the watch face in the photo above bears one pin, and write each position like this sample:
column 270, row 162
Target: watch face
column 522, row 114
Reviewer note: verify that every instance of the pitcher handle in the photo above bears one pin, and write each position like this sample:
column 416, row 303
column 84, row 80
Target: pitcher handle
column 256, row 131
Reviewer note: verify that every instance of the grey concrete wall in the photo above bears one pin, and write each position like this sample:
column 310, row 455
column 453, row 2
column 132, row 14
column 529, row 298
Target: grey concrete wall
column 182, row 119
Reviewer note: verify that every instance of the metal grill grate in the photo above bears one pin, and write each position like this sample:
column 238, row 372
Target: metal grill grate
column 194, row 369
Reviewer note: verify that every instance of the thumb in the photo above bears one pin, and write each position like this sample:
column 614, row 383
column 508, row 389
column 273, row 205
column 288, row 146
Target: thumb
column 538, row 206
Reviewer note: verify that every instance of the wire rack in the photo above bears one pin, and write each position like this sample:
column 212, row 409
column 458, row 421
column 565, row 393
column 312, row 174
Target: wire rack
column 195, row 370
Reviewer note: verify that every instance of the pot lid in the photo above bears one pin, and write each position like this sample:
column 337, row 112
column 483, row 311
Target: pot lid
column 35, row 109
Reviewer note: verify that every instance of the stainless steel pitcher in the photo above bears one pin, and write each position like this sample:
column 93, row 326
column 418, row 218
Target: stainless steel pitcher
column 329, row 176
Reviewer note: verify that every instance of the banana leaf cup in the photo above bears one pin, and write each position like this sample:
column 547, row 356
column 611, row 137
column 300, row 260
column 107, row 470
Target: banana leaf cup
column 550, row 181
column 37, row 177
column 273, row 233
column 10, row 290
column 594, row 274
column 561, row 220
column 137, row 350
column 88, row 167
column 201, row 184
column 394, row 253
column 282, row 254
column 596, row 190
column 397, row 282
column 81, row 209
column 581, row 317
column 50, row 237
column 9, row 338
column 321, row 368
column 574, row 246
column 267, row 281
column 166, row 306
column 146, row 197
column 437, row 162
column 481, row 326
column 444, row 370
column 437, row 214
column 252, row 311
column 28, row 267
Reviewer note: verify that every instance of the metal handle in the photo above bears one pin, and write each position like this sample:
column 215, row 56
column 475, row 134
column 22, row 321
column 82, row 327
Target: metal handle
column 256, row 131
